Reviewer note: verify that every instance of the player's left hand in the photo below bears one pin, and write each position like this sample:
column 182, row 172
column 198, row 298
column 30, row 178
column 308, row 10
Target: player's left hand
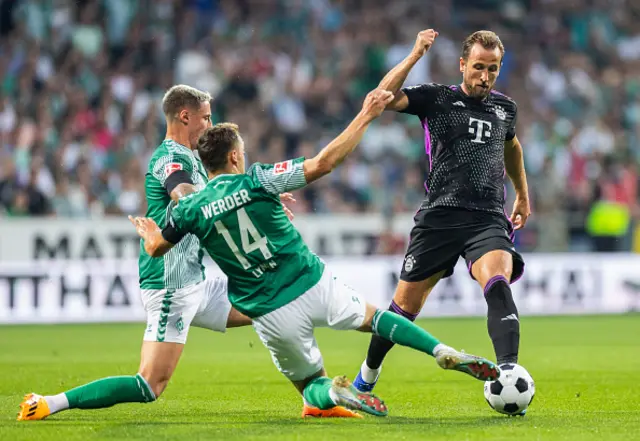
column 375, row 102
column 521, row 212
column 287, row 197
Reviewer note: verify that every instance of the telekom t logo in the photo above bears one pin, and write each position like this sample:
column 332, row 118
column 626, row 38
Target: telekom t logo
column 479, row 128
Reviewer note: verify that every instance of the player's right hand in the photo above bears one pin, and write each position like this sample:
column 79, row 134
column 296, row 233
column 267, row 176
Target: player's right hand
column 143, row 225
column 424, row 41
column 375, row 102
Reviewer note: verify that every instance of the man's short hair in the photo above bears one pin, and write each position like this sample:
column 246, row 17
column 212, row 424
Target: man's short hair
column 488, row 40
column 181, row 96
column 215, row 144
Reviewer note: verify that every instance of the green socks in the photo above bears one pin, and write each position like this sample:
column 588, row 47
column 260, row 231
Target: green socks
column 318, row 393
column 398, row 329
column 109, row 391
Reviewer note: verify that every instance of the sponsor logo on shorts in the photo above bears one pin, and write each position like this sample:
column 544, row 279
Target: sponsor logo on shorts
column 282, row 167
column 409, row 263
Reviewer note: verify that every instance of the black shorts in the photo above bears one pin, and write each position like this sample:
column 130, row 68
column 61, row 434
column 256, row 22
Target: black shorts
column 441, row 235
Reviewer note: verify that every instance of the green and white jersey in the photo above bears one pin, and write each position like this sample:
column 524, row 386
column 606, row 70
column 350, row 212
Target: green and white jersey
column 240, row 223
column 182, row 266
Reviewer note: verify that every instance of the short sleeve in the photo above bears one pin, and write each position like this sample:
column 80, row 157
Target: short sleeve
column 279, row 178
column 511, row 131
column 170, row 163
column 174, row 229
column 422, row 98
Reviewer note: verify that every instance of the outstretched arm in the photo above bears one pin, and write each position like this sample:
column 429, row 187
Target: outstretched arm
column 296, row 173
column 154, row 243
column 338, row 149
column 514, row 166
column 396, row 77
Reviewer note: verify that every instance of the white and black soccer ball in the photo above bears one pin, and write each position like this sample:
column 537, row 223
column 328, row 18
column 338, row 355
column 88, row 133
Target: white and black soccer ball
column 512, row 393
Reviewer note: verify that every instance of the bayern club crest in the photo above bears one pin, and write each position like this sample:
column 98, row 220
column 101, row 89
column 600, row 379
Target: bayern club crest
column 500, row 113
column 409, row 262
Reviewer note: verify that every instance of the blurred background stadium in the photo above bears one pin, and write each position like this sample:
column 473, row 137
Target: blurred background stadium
column 81, row 84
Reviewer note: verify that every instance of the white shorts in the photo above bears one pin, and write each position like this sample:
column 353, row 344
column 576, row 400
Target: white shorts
column 288, row 331
column 170, row 313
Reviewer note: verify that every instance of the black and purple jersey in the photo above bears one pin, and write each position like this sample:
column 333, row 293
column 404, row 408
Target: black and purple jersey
column 464, row 141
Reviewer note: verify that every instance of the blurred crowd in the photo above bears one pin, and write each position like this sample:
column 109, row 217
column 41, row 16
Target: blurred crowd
column 81, row 84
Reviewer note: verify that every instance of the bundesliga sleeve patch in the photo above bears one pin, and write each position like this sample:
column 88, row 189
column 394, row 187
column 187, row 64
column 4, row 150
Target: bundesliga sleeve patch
column 172, row 167
column 283, row 167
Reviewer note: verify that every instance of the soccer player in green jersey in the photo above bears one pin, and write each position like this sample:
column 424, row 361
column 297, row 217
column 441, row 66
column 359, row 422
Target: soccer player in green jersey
column 174, row 291
column 273, row 276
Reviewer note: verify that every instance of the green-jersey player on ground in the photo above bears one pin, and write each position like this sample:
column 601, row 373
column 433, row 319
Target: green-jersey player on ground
column 174, row 291
column 273, row 276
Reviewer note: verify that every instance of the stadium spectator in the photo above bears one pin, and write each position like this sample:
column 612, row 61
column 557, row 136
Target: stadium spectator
column 80, row 86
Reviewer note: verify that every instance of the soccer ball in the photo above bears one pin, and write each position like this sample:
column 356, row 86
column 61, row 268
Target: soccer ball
column 512, row 393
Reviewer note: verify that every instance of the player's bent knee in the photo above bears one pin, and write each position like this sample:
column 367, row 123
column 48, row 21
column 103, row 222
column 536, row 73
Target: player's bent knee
column 493, row 264
column 367, row 323
column 496, row 273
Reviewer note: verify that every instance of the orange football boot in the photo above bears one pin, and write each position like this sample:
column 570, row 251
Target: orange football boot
column 33, row 407
column 334, row 412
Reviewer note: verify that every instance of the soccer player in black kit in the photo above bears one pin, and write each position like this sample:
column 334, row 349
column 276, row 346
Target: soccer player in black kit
column 471, row 144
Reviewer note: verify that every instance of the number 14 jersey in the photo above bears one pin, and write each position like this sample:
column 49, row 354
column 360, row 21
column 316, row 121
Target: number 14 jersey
column 240, row 223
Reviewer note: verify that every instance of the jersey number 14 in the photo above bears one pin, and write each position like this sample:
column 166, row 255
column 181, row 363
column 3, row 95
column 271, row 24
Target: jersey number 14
column 247, row 229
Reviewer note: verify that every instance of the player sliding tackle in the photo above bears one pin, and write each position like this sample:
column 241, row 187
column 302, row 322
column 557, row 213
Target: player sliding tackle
column 273, row 276
column 174, row 292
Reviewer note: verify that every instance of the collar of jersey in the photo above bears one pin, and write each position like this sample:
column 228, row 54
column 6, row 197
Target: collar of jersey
column 171, row 141
column 470, row 98
column 219, row 176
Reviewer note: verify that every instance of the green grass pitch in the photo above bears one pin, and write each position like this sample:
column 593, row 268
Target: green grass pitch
column 585, row 368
